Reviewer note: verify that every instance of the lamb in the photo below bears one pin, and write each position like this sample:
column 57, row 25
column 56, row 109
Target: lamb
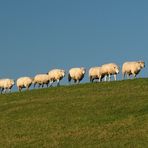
column 6, row 84
column 55, row 75
column 41, row 79
column 132, row 68
column 110, row 69
column 95, row 73
column 77, row 74
column 24, row 82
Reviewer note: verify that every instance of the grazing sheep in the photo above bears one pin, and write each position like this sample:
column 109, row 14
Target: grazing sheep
column 55, row 75
column 77, row 74
column 6, row 84
column 24, row 82
column 95, row 73
column 110, row 69
column 132, row 68
column 41, row 79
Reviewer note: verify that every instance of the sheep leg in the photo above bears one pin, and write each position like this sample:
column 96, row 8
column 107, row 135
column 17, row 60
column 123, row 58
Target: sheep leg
column 5, row 91
column 128, row 76
column 19, row 88
column 109, row 77
column 27, row 87
column 51, row 82
column 34, row 85
column 100, row 79
column 39, row 85
column 69, row 78
column 9, row 90
column 47, row 84
column 78, row 81
column 134, row 75
column 75, row 81
column 2, row 90
column 90, row 78
column 123, row 76
column 58, row 82
column 115, row 77
column 105, row 78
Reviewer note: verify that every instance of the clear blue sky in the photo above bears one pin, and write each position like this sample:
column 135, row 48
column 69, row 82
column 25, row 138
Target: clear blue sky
column 38, row 35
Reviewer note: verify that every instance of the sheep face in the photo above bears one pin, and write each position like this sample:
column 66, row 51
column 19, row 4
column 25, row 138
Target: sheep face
column 33, row 81
column 116, row 69
column 63, row 73
column 83, row 70
column 142, row 64
column 13, row 82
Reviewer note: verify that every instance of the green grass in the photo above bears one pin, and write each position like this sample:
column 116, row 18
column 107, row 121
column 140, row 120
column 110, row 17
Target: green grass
column 107, row 115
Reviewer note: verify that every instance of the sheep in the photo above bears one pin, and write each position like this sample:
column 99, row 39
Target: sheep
column 110, row 69
column 56, row 75
column 24, row 82
column 95, row 73
column 77, row 74
column 132, row 68
column 6, row 84
column 41, row 79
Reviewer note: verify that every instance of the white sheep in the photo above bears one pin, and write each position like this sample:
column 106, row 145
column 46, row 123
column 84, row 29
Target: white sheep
column 55, row 75
column 6, row 84
column 95, row 73
column 41, row 79
column 24, row 82
column 77, row 74
column 110, row 69
column 132, row 68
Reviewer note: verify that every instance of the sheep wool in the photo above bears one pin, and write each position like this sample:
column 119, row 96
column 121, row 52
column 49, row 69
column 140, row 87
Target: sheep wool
column 95, row 73
column 132, row 68
column 41, row 79
column 77, row 74
column 6, row 84
column 55, row 75
column 110, row 69
column 24, row 82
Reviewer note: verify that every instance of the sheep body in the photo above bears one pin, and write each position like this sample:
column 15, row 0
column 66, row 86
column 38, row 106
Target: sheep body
column 56, row 75
column 110, row 69
column 132, row 68
column 41, row 79
column 6, row 84
column 95, row 73
column 77, row 74
column 24, row 82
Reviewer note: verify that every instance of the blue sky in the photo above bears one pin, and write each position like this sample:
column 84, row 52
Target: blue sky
column 38, row 35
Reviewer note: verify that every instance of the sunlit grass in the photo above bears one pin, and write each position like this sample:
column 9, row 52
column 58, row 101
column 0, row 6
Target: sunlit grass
column 111, row 114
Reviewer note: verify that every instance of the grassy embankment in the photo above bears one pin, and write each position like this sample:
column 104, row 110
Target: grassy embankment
column 111, row 114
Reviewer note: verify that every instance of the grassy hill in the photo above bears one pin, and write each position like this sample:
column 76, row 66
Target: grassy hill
column 108, row 114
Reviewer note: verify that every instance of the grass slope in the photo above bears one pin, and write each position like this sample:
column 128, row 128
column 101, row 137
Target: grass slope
column 111, row 114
